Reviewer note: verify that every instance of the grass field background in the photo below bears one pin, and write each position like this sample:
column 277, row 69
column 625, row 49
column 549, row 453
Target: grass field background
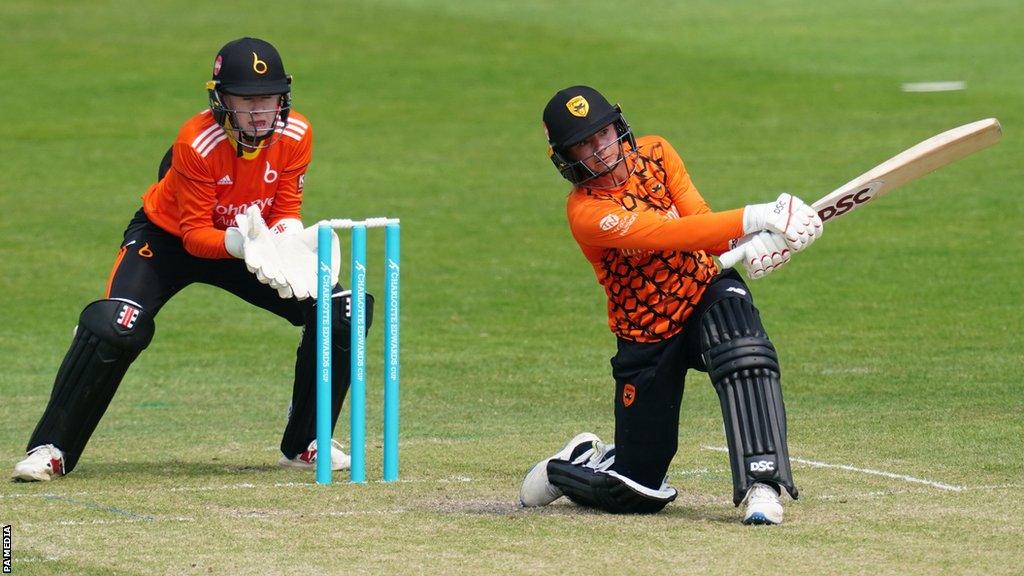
column 899, row 333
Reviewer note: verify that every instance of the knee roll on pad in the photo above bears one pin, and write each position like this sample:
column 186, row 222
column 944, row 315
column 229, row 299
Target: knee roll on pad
column 110, row 336
column 744, row 370
column 119, row 324
column 607, row 490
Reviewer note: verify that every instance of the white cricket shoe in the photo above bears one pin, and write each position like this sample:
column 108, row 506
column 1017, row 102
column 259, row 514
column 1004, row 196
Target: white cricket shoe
column 307, row 459
column 763, row 505
column 536, row 489
column 42, row 464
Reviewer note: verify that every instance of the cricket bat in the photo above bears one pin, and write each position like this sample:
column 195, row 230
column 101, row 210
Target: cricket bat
column 909, row 165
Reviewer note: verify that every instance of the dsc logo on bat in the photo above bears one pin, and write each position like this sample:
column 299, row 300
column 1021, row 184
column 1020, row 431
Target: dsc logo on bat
column 848, row 202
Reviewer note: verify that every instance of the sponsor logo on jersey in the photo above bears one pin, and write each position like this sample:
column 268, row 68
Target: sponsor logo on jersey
column 225, row 180
column 620, row 224
column 269, row 175
column 608, row 222
column 232, row 209
column 224, row 215
column 625, row 224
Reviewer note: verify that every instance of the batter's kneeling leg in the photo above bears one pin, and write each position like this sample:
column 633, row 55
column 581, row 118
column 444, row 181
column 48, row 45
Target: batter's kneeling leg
column 110, row 336
column 607, row 490
column 744, row 369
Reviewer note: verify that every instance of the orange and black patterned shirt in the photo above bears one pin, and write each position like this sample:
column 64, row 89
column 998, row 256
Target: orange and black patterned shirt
column 649, row 242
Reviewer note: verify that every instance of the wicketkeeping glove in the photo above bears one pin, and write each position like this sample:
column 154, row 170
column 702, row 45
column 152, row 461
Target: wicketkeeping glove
column 298, row 252
column 250, row 239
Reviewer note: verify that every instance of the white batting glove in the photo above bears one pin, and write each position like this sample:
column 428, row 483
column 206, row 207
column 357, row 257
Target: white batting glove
column 250, row 239
column 764, row 253
column 797, row 222
column 298, row 251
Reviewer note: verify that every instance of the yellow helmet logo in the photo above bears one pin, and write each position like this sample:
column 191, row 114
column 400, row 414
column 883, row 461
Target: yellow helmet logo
column 578, row 106
column 258, row 66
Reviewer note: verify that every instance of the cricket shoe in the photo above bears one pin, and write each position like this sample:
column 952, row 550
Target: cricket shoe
column 42, row 464
column 536, row 489
column 307, row 459
column 763, row 505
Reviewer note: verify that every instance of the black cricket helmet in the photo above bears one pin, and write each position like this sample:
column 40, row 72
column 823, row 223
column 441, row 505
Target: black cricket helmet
column 573, row 115
column 249, row 67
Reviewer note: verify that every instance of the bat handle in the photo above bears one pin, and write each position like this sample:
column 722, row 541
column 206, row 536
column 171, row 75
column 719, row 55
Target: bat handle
column 732, row 257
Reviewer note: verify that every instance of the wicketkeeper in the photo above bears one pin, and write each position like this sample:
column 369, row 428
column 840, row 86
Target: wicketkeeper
column 649, row 235
column 225, row 211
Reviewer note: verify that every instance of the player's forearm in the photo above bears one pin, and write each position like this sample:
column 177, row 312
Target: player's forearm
column 205, row 243
column 710, row 231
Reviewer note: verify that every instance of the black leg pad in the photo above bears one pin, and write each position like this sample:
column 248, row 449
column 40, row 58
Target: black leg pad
column 301, row 427
column 744, row 369
column 110, row 336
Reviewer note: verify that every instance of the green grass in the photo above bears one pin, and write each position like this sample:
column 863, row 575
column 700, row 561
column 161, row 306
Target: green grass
column 900, row 333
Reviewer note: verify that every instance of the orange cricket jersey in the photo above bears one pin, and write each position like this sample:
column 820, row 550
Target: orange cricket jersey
column 208, row 183
column 648, row 242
